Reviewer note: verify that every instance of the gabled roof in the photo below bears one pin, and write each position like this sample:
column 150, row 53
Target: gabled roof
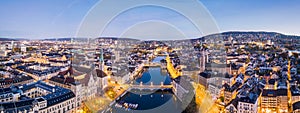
column 296, row 106
column 281, row 92
column 234, row 87
column 295, row 90
column 272, row 81
column 269, row 93
column 251, row 98
column 62, row 79
column 205, row 75
column 60, row 98
column 234, row 102
column 70, row 71
column 86, row 79
column 99, row 73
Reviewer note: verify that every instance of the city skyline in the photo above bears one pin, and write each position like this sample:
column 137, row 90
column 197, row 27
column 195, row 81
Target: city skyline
column 149, row 56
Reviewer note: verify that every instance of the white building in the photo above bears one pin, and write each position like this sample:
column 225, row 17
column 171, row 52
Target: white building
column 41, row 98
column 247, row 106
column 23, row 48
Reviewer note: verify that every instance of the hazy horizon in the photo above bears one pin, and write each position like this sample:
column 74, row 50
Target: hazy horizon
column 137, row 38
column 34, row 19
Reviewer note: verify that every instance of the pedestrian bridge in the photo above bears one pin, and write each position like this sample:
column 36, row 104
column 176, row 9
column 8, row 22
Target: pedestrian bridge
column 152, row 64
column 151, row 86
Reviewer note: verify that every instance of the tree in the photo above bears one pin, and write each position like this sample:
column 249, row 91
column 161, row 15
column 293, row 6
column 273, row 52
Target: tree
column 111, row 93
column 85, row 108
column 248, row 60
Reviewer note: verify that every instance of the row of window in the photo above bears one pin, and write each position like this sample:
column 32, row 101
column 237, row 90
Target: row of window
column 7, row 99
column 64, row 106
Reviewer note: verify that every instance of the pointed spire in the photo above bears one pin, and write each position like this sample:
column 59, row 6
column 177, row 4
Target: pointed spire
column 101, row 59
column 1, row 109
column 64, row 58
column 101, row 55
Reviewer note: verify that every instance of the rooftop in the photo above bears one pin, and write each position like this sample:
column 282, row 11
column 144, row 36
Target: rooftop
column 296, row 106
column 57, row 95
column 269, row 93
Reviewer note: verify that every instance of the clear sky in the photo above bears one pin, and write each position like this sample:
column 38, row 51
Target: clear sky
column 33, row 19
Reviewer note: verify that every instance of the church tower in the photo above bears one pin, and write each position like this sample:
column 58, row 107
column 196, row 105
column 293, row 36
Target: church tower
column 101, row 60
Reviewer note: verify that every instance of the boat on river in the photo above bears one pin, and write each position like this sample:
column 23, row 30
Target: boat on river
column 125, row 105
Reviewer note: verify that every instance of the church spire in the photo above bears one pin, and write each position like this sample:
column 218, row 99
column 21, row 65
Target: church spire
column 101, row 59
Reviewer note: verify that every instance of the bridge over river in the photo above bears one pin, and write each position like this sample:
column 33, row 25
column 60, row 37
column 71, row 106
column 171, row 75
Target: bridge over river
column 151, row 86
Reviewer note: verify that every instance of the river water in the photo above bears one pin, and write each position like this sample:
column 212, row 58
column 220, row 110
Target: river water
column 150, row 101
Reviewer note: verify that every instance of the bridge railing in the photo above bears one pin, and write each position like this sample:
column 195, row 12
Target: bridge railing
column 151, row 86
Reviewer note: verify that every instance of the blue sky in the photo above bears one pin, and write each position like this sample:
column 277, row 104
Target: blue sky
column 35, row 19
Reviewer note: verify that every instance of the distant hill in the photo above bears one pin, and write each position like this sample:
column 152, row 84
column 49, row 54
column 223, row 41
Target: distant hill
column 57, row 39
column 229, row 33
column 115, row 38
column 250, row 32
column 254, row 33
column 278, row 35
column 12, row 39
column 7, row 39
column 69, row 39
